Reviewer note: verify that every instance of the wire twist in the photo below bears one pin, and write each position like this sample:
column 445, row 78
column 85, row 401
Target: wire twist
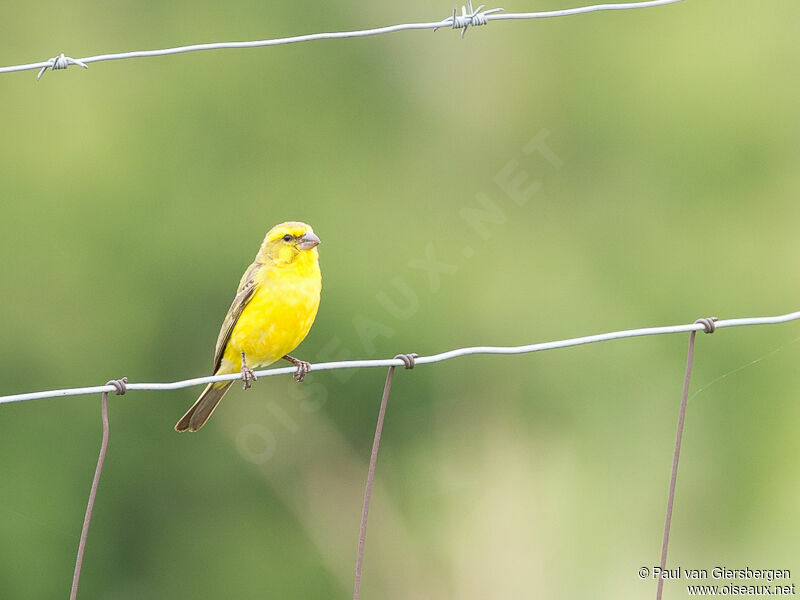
column 708, row 323
column 409, row 360
column 58, row 63
column 121, row 385
column 469, row 16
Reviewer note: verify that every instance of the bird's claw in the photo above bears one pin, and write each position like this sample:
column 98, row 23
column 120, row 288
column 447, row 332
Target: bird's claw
column 248, row 376
column 303, row 368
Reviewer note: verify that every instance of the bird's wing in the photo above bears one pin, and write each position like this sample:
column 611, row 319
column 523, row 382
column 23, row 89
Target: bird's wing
column 247, row 287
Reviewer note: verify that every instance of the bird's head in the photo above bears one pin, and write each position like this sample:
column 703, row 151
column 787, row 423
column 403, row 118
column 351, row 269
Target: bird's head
column 289, row 242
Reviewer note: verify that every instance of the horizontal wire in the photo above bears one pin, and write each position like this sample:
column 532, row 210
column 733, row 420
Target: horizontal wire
column 422, row 360
column 462, row 21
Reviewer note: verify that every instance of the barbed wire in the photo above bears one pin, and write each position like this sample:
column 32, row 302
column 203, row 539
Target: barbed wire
column 469, row 17
column 422, row 360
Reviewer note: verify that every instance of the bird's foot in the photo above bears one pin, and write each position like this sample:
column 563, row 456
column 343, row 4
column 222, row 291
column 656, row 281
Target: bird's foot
column 248, row 375
column 303, row 367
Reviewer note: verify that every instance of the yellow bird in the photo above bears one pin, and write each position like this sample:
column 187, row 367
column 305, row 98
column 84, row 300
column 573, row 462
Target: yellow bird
column 274, row 308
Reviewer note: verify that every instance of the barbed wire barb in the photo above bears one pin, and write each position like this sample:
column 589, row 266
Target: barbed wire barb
column 60, row 62
column 467, row 18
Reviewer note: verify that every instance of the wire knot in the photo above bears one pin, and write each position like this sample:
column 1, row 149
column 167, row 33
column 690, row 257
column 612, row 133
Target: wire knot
column 120, row 385
column 708, row 323
column 469, row 16
column 409, row 360
column 60, row 62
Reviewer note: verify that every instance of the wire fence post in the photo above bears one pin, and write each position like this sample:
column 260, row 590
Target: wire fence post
column 408, row 361
column 709, row 325
column 119, row 385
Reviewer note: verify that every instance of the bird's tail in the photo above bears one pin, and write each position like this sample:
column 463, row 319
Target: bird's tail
column 201, row 410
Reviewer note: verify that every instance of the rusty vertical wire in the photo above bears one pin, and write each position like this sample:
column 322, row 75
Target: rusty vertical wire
column 408, row 359
column 709, row 328
column 373, row 459
column 120, row 386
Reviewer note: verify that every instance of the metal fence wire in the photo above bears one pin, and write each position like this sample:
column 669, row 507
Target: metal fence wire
column 463, row 20
column 408, row 361
column 468, row 17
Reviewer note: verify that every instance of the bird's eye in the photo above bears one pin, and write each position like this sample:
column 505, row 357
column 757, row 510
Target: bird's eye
column 287, row 238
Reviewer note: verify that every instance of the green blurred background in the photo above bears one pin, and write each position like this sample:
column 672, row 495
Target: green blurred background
column 134, row 194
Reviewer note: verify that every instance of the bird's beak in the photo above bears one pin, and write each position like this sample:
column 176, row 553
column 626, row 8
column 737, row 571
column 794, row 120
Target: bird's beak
column 308, row 241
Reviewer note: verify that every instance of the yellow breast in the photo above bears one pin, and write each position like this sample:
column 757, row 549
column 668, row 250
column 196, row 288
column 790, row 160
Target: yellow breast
column 278, row 316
